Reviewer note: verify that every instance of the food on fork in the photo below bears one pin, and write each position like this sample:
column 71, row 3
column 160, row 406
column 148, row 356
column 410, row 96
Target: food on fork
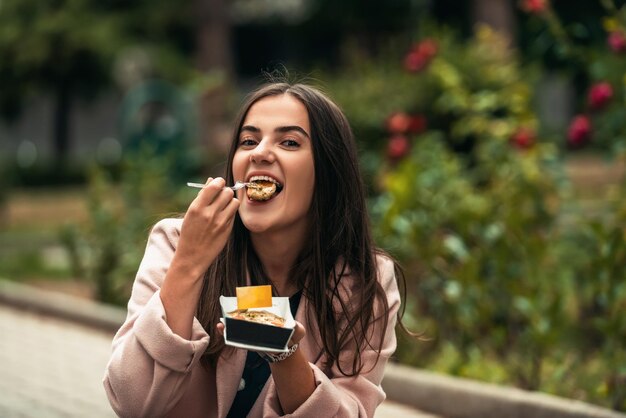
column 262, row 188
column 262, row 317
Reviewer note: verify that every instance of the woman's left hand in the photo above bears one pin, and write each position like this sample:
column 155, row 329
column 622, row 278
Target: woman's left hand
column 293, row 369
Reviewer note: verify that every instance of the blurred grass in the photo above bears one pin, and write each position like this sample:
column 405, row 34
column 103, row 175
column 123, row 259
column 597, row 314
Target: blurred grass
column 41, row 211
column 593, row 180
column 29, row 234
column 592, row 177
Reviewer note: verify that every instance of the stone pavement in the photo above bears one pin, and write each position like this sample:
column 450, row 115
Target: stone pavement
column 53, row 368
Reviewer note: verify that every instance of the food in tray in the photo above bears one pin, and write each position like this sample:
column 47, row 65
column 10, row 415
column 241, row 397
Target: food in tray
column 261, row 328
column 259, row 316
column 254, row 297
column 262, row 188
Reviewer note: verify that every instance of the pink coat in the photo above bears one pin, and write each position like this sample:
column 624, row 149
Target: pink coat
column 153, row 372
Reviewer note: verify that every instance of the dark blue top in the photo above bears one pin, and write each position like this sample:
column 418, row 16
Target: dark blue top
column 255, row 375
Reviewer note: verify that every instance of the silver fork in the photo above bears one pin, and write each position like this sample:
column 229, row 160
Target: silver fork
column 238, row 185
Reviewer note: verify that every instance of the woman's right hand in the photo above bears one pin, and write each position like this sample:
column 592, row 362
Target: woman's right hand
column 206, row 226
column 205, row 230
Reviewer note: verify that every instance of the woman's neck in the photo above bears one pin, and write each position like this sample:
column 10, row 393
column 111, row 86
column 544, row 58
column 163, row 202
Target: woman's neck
column 278, row 254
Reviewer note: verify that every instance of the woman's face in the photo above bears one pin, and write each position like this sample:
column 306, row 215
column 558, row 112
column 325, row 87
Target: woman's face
column 275, row 141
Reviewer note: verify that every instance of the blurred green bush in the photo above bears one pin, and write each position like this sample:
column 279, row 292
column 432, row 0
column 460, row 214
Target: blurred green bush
column 107, row 248
column 589, row 52
column 472, row 201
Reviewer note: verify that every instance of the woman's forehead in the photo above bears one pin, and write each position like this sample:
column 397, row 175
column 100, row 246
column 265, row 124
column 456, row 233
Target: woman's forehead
column 276, row 111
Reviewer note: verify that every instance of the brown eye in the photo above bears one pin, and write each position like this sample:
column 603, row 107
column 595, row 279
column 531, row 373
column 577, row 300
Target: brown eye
column 247, row 142
column 291, row 143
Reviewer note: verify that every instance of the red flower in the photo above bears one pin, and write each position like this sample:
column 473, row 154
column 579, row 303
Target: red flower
column 414, row 62
column 599, row 95
column 420, row 55
column 534, row 6
column 524, row 138
column 617, row 41
column 579, row 131
column 403, row 123
column 398, row 147
column 398, row 123
column 428, row 48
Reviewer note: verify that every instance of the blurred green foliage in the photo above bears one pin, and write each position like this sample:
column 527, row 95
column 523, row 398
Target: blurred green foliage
column 20, row 264
column 468, row 91
column 73, row 49
column 596, row 258
column 108, row 247
column 506, row 287
column 74, row 43
column 588, row 48
column 45, row 45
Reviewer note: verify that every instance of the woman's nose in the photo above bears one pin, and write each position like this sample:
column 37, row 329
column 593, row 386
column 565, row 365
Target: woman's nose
column 262, row 153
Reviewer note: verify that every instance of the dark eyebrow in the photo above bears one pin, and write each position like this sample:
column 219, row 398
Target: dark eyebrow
column 250, row 128
column 281, row 129
column 296, row 128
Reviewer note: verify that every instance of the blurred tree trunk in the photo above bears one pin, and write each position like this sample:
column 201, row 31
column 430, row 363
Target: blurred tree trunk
column 214, row 54
column 499, row 14
column 213, row 36
column 61, row 121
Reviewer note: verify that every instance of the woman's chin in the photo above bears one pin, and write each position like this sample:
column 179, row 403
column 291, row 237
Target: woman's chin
column 256, row 225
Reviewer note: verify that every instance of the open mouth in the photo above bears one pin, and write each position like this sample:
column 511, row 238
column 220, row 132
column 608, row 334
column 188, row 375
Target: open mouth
column 263, row 188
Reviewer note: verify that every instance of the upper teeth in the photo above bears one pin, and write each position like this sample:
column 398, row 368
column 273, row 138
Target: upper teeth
column 266, row 178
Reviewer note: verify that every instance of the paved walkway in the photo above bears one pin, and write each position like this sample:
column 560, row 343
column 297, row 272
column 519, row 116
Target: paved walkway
column 53, row 368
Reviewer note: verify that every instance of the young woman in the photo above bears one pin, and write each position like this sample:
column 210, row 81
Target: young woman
column 311, row 241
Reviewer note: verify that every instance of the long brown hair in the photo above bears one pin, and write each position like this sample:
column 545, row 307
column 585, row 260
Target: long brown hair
column 340, row 241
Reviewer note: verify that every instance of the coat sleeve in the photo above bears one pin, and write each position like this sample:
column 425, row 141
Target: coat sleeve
column 337, row 395
column 150, row 365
